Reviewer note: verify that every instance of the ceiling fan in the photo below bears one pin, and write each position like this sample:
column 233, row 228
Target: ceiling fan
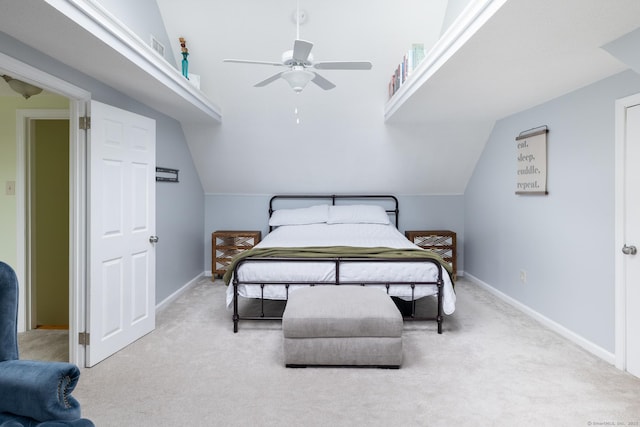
column 299, row 60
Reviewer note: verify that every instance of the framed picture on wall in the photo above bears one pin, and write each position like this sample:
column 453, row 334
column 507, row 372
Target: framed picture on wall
column 531, row 159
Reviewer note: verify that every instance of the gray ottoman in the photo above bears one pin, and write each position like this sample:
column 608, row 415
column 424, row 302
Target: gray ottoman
column 342, row 325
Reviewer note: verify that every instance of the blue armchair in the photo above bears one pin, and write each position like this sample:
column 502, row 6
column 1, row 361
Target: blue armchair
column 32, row 393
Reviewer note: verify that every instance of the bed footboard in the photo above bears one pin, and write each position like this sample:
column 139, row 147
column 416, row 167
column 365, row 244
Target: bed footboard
column 337, row 262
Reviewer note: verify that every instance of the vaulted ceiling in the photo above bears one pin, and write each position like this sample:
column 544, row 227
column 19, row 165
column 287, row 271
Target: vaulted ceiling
column 424, row 141
column 525, row 53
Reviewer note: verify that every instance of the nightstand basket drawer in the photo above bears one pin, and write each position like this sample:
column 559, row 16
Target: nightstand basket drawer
column 226, row 244
column 442, row 242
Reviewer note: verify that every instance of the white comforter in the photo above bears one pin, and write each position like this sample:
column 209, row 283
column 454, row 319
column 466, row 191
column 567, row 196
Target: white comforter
column 358, row 235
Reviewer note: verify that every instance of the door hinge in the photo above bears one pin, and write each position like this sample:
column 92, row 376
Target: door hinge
column 83, row 338
column 85, row 123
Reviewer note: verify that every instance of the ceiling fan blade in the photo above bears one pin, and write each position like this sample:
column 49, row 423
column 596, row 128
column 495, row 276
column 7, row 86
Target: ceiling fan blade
column 322, row 82
column 246, row 61
column 343, row 65
column 301, row 50
column 269, row 80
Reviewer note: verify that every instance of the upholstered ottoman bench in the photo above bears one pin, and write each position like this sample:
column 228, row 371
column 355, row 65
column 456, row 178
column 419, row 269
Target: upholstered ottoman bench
column 342, row 325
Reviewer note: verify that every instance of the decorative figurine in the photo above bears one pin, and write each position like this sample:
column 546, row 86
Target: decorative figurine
column 185, row 53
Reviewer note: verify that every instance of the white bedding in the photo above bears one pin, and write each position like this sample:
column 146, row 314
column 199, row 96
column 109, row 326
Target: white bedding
column 357, row 235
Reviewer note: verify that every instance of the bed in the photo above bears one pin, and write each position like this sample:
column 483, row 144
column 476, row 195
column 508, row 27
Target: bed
column 338, row 240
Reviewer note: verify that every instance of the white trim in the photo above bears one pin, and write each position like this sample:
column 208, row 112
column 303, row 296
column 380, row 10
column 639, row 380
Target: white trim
column 556, row 327
column 77, row 196
column 619, row 233
column 22, row 214
column 174, row 296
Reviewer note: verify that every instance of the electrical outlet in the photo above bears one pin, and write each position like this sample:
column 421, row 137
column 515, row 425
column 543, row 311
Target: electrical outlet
column 10, row 188
column 523, row 276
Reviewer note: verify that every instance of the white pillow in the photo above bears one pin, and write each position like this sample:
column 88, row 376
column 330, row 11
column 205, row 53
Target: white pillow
column 312, row 215
column 357, row 214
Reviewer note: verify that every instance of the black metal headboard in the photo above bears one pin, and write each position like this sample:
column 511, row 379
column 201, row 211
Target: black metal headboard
column 387, row 199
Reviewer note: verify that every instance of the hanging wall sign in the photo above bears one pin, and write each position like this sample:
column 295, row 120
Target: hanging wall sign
column 532, row 161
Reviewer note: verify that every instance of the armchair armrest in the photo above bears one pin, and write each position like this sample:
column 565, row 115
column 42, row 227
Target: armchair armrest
column 39, row 390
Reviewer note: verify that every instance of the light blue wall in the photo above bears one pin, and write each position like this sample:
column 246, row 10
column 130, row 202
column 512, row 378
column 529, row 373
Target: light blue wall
column 250, row 212
column 565, row 240
column 179, row 207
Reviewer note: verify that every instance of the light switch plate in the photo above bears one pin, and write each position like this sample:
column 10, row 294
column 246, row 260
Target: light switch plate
column 10, row 188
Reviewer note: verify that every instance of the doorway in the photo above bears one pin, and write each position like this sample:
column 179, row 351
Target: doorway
column 43, row 147
column 75, row 107
column 628, row 234
column 48, row 239
column 136, row 284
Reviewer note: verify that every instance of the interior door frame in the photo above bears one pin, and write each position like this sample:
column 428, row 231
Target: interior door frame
column 78, row 99
column 620, row 283
column 24, row 145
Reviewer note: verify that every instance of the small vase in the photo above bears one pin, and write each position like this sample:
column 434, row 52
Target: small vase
column 185, row 65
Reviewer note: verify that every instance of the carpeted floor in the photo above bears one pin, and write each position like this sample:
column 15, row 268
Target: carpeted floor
column 44, row 344
column 492, row 366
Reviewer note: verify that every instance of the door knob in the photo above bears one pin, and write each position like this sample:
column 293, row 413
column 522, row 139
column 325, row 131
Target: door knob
column 629, row 250
column 154, row 239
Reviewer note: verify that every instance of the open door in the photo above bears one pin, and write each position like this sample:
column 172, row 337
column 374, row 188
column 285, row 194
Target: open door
column 121, row 290
column 631, row 261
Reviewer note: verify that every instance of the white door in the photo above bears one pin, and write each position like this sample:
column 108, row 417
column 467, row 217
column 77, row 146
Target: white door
column 632, row 239
column 122, row 220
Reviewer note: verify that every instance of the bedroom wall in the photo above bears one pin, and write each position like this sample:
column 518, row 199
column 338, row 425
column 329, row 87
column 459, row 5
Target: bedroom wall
column 179, row 207
column 50, row 221
column 250, row 212
column 565, row 240
column 8, row 155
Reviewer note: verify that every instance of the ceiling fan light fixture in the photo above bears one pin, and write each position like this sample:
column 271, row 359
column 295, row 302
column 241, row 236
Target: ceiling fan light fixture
column 298, row 79
column 23, row 88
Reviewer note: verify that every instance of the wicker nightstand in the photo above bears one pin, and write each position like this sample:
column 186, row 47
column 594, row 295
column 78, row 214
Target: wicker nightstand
column 442, row 242
column 225, row 244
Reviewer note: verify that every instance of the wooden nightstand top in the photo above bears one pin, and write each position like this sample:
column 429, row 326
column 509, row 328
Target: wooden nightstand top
column 234, row 233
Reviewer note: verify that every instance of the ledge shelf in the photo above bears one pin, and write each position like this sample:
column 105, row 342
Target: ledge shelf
column 142, row 73
column 473, row 17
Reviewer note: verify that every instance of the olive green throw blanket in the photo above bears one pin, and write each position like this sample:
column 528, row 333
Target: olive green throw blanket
column 333, row 252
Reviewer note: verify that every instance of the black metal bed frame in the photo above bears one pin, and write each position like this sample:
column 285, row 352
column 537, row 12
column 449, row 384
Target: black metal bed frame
column 338, row 262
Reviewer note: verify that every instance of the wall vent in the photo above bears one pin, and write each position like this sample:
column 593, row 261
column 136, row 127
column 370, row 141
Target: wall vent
column 157, row 46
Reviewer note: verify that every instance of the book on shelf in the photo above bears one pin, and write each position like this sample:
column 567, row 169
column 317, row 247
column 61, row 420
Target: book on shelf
column 410, row 61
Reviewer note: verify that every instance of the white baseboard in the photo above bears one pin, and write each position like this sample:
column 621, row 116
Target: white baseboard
column 554, row 326
column 168, row 300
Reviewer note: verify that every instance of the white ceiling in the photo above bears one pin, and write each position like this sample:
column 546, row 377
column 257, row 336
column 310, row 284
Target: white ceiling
column 530, row 51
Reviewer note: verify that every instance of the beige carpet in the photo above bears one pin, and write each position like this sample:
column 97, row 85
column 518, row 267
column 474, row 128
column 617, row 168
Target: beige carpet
column 492, row 366
column 44, row 344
